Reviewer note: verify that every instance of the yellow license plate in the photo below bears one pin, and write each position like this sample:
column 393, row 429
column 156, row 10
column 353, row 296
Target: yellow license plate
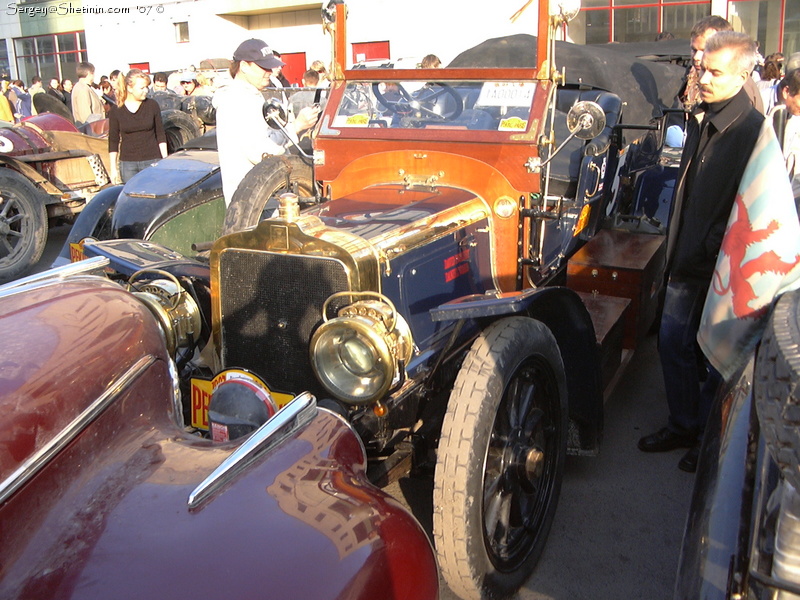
column 203, row 388
column 76, row 252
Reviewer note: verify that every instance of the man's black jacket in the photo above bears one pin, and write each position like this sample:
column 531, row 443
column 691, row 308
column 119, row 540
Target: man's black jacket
column 698, row 220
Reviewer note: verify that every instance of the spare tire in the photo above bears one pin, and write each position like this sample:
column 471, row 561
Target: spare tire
column 776, row 386
column 46, row 103
column 167, row 100
column 200, row 107
column 257, row 194
column 179, row 127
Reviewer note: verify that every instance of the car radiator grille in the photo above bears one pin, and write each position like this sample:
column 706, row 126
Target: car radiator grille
column 271, row 304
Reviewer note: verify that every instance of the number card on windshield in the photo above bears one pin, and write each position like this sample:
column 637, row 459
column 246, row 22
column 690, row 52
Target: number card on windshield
column 507, row 93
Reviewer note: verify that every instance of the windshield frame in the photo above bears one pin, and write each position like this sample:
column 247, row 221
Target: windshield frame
column 419, row 77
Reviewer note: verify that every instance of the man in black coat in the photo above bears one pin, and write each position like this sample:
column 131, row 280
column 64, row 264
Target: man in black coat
column 720, row 138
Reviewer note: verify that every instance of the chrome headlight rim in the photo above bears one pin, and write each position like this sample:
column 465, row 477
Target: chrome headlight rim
column 177, row 313
column 326, row 343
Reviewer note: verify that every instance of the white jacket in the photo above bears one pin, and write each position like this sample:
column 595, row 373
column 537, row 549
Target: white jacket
column 243, row 136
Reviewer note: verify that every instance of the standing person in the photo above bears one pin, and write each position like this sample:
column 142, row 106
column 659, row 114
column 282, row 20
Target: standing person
column 191, row 86
column 86, row 103
column 243, row 136
column 136, row 132
column 703, row 30
column 160, row 83
column 721, row 135
column 36, row 88
column 278, row 79
column 6, row 112
column 768, row 85
column 431, row 61
column 20, row 100
column 54, row 90
column 66, row 89
column 301, row 100
column 324, row 78
column 789, row 93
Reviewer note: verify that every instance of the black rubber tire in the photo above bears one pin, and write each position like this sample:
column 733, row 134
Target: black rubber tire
column 179, row 128
column 264, row 183
column 47, row 103
column 489, row 434
column 776, row 386
column 23, row 225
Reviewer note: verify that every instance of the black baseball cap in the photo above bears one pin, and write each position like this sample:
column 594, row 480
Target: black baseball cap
column 258, row 52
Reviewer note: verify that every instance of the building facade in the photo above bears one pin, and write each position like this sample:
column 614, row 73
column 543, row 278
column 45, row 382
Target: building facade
column 49, row 37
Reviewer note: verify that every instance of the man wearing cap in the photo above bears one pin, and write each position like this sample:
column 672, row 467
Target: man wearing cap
column 243, row 136
column 191, row 86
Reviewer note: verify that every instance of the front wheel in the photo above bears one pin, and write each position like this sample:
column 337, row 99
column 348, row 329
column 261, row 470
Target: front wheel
column 500, row 459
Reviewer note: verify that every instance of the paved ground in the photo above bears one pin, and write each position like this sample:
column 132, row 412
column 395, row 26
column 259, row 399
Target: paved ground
column 620, row 519
column 55, row 240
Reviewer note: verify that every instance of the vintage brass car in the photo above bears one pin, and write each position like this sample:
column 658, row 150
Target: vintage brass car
column 463, row 289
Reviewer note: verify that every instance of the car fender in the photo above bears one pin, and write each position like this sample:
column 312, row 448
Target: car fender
column 93, row 221
column 715, row 543
column 185, row 189
column 564, row 313
column 52, row 193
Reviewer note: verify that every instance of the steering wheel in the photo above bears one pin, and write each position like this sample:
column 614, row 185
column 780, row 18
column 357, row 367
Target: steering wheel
column 356, row 100
column 421, row 103
column 272, row 110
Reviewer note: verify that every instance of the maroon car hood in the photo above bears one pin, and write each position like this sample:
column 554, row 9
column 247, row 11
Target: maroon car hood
column 108, row 516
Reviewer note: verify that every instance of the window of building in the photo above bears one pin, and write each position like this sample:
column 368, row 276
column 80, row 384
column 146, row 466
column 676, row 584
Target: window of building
column 791, row 27
column 774, row 23
column 759, row 17
column 182, row 32
column 5, row 65
column 603, row 21
column 49, row 56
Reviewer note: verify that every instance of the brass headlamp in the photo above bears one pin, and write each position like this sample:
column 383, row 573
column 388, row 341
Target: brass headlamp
column 359, row 355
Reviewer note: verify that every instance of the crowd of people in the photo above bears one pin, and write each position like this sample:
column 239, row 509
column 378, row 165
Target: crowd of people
column 135, row 131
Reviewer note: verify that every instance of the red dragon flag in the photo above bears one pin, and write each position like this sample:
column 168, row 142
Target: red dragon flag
column 758, row 261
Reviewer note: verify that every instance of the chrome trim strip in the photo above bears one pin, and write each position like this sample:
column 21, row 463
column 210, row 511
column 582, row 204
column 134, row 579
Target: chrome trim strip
column 96, row 264
column 286, row 421
column 37, row 461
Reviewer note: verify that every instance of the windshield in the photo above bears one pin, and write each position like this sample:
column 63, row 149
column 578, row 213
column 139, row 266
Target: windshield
column 474, row 105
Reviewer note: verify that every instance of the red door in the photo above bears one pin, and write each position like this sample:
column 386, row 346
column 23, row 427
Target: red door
column 295, row 66
column 364, row 51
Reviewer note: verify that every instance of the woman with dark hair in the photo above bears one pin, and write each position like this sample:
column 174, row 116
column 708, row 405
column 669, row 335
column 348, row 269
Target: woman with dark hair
column 768, row 86
column 136, row 133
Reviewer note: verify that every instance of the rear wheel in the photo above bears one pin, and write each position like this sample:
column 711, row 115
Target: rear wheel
column 500, row 459
column 23, row 225
column 256, row 197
